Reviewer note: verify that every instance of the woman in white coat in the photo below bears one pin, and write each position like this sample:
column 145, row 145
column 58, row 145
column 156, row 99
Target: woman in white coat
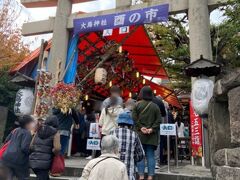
column 109, row 115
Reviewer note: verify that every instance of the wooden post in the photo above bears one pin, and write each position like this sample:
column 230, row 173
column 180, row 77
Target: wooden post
column 39, row 66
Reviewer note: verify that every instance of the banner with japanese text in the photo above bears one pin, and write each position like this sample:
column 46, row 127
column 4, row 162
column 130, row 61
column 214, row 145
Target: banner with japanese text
column 196, row 133
column 148, row 15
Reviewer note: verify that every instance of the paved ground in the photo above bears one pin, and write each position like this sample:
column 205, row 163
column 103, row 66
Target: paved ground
column 184, row 168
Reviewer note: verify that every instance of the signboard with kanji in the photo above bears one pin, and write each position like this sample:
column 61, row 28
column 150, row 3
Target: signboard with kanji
column 196, row 133
column 135, row 17
column 168, row 129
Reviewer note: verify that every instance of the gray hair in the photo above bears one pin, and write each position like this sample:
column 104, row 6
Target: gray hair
column 110, row 144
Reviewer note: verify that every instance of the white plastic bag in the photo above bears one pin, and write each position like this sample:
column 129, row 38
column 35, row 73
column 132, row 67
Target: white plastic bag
column 202, row 91
column 24, row 102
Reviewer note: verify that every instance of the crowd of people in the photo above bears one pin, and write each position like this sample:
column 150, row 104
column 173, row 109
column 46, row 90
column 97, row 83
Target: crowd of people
column 129, row 138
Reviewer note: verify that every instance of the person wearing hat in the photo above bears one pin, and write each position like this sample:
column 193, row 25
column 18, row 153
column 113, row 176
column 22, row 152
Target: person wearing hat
column 115, row 93
column 46, row 143
column 130, row 147
column 147, row 117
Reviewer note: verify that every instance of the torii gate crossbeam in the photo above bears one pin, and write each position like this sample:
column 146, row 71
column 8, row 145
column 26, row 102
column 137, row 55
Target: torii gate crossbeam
column 175, row 7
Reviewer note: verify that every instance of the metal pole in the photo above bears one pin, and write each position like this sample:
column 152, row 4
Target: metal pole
column 70, row 142
column 176, row 154
column 206, row 142
column 168, row 152
column 203, row 149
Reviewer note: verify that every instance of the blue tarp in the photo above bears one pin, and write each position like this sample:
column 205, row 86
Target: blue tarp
column 71, row 64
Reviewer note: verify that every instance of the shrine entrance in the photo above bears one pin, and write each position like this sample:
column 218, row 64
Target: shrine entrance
column 131, row 66
column 126, row 51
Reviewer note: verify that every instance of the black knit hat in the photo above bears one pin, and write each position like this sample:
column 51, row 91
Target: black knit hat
column 52, row 121
column 25, row 120
column 146, row 93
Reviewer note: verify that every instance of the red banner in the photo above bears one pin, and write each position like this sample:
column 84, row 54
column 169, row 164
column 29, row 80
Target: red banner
column 196, row 133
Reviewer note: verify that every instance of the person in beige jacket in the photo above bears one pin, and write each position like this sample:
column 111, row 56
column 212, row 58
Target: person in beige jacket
column 108, row 166
column 109, row 115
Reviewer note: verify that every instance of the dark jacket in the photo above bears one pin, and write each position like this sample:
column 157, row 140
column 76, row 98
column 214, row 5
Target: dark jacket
column 65, row 120
column 42, row 148
column 82, row 123
column 161, row 106
column 17, row 153
column 150, row 118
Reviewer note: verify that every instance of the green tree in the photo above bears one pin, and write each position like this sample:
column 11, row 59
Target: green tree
column 12, row 51
column 12, row 48
column 172, row 42
column 7, row 90
column 226, row 36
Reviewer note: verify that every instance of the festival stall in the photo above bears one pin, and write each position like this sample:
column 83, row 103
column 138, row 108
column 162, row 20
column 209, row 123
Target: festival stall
column 126, row 67
column 99, row 58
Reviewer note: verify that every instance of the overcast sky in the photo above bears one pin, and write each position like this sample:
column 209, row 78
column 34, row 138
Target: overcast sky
column 34, row 14
column 44, row 13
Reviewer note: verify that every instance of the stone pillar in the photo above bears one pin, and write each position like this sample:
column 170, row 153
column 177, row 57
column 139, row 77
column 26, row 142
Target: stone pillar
column 200, row 44
column 234, row 111
column 58, row 53
column 218, row 126
column 199, row 30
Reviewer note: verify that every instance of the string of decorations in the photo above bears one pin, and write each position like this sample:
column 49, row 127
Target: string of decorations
column 65, row 97
column 118, row 70
column 43, row 90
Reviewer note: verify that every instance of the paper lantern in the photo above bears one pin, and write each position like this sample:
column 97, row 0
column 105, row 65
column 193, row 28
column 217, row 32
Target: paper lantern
column 130, row 95
column 137, row 74
column 110, row 83
column 144, row 81
column 24, row 102
column 202, row 92
column 100, row 76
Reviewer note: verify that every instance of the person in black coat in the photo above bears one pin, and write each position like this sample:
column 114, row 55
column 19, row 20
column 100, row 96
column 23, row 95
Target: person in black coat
column 45, row 144
column 16, row 157
column 157, row 100
column 65, row 124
